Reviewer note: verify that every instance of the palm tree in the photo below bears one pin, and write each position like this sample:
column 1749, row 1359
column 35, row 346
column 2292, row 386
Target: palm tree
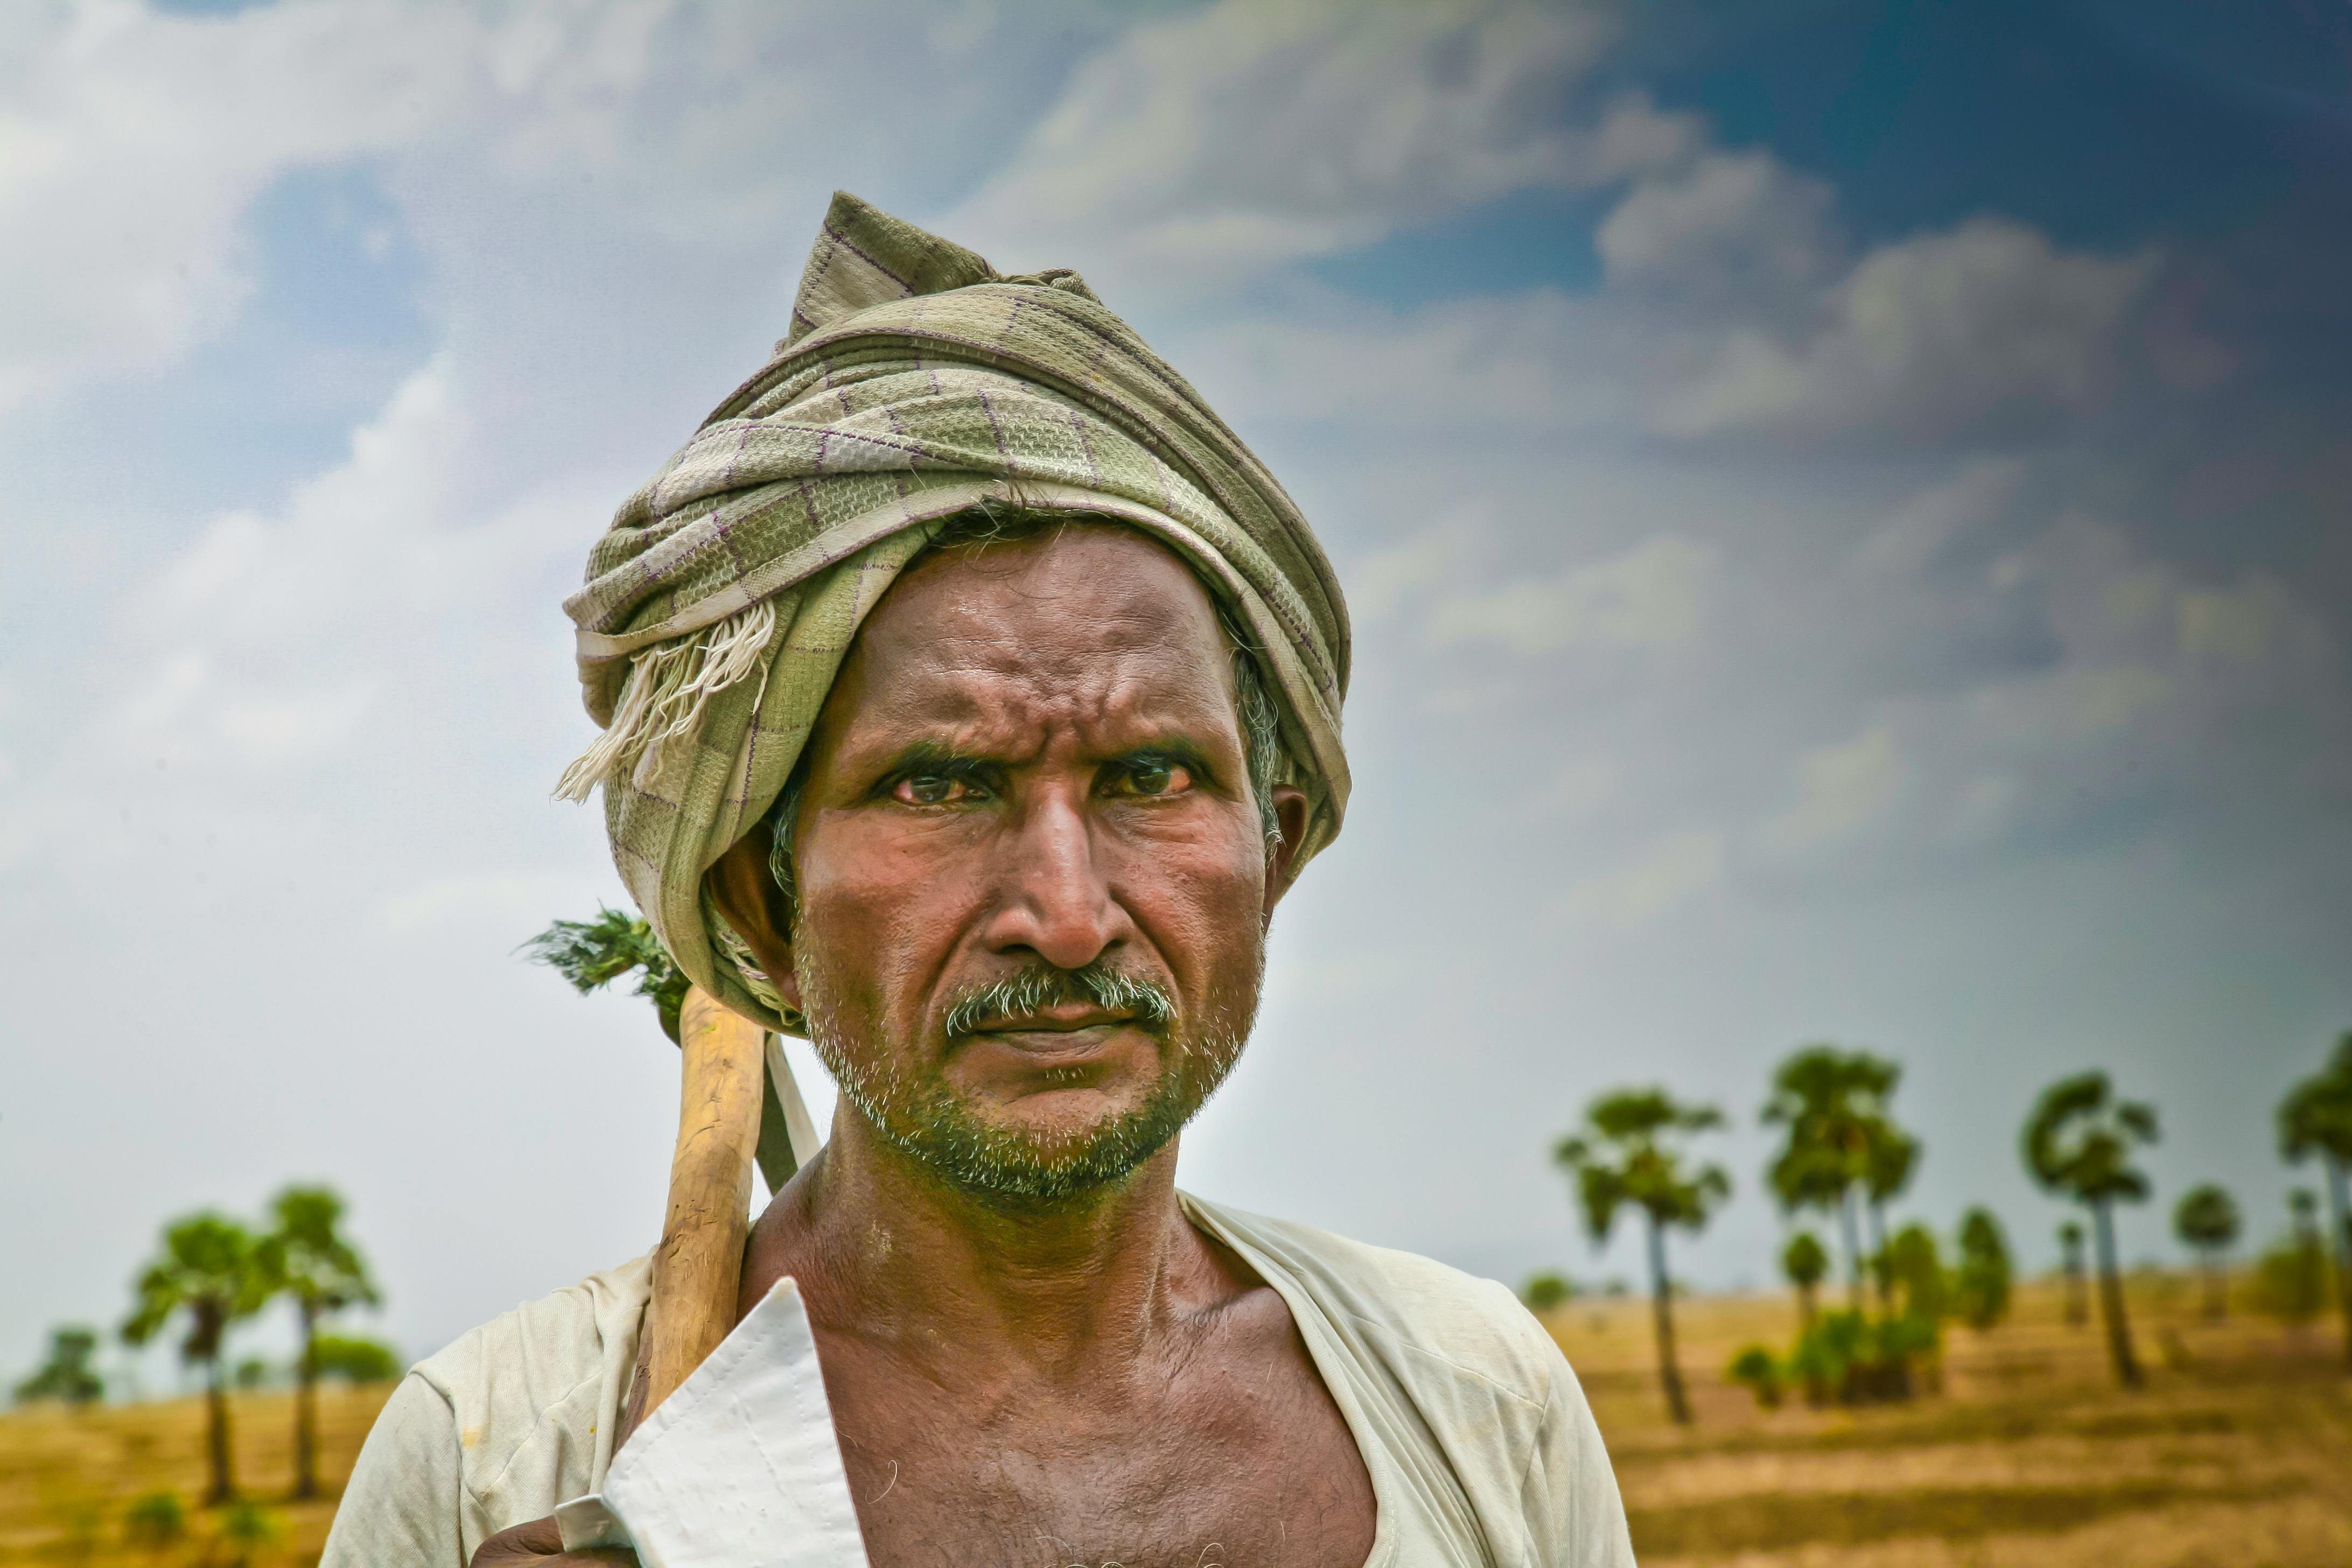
column 2205, row 1218
column 1983, row 1282
column 66, row 1375
column 307, row 1256
column 591, row 953
column 1806, row 1263
column 1833, row 1103
column 2079, row 1141
column 1626, row 1155
column 208, row 1269
column 2070, row 1264
column 2315, row 1118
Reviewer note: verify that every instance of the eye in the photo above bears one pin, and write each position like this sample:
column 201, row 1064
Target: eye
column 1152, row 776
column 930, row 789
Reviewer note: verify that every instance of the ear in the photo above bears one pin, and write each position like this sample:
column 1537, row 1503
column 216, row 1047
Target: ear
column 746, row 893
column 1282, row 859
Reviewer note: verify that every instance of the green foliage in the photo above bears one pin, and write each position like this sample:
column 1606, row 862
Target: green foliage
column 1804, row 1260
column 1835, row 1104
column 1757, row 1367
column 1980, row 1284
column 252, row 1373
column 245, row 1528
column 210, row 1270
column 155, row 1520
column 307, row 1256
column 353, row 1358
column 2205, row 1218
column 1859, row 1360
column 2291, row 1280
column 1544, row 1291
column 1916, row 1267
column 593, row 953
column 2316, row 1115
column 1626, row 1155
column 2079, row 1141
column 67, row 1374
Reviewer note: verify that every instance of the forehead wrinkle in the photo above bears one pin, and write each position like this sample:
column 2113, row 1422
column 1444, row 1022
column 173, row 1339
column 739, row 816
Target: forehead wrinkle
column 1103, row 704
column 1095, row 634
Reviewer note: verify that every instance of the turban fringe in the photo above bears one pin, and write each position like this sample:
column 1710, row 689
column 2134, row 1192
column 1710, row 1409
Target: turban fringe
column 916, row 383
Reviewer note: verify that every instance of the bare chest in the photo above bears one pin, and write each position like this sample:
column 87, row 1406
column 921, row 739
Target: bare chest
column 1213, row 1465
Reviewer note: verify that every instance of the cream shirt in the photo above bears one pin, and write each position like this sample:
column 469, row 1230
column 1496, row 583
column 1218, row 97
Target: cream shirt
column 1479, row 1443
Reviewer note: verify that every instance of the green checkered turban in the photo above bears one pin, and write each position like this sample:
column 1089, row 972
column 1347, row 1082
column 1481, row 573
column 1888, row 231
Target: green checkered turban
column 915, row 383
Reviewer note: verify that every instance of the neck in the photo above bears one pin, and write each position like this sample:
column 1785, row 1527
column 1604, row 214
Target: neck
column 882, row 1248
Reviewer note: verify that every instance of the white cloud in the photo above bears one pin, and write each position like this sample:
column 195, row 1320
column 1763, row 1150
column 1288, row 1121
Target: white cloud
column 1922, row 526
column 131, row 145
column 1924, row 337
column 1656, row 595
column 1247, row 136
column 1725, row 220
column 1842, row 790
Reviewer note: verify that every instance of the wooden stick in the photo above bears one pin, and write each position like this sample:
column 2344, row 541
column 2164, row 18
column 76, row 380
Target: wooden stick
column 698, row 1267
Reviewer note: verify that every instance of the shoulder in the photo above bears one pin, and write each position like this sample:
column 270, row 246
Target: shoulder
column 1438, row 1316
column 509, row 1419
column 537, row 1355
column 556, row 1359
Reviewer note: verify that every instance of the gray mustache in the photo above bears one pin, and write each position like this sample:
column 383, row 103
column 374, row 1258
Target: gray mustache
column 1042, row 985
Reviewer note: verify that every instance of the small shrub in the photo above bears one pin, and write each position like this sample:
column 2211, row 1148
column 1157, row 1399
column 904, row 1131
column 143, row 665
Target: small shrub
column 245, row 1528
column 156, row 1521
column 2291, row 1281
column 1860, row 1361
column 355, row 1359
column 1757, row 1367
column 1542, row 1292
column 1981, row 1282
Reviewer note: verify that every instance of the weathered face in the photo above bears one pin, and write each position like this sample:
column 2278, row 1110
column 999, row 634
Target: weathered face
column 1032, row 882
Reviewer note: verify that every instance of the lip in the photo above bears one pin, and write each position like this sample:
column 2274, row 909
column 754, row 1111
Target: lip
column 1053, row 1038
column 1062, row 1019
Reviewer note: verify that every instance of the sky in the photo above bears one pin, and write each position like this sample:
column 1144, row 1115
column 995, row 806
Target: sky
column 1843, row 507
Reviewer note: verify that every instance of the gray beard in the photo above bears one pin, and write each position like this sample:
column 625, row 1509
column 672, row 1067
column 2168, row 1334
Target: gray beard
column 920, row 1114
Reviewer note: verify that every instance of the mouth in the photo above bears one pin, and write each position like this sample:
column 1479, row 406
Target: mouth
column 1062, row 1019
column 1064, row 1028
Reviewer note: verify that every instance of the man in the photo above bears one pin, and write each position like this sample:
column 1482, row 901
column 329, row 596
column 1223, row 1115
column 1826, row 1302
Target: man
column 971, row 699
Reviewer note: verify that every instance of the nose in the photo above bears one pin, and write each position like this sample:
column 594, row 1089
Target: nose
column 1054, row 898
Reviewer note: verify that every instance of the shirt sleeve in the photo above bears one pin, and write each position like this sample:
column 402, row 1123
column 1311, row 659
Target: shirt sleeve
column 1574, row 1514
column 401, row 1506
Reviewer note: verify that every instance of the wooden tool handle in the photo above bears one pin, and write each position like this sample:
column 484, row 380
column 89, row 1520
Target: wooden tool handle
column 698, row 1267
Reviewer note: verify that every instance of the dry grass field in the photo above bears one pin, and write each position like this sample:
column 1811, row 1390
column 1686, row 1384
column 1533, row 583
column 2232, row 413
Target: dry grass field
column 2238, row 1455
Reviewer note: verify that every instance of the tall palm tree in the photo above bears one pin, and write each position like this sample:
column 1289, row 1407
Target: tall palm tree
column 1806, row 1263
column 2315, row 1118
column 591, row 953
column 210, row 1271
column 307, row 1256
column 2079, row 1141
column 1834, row 1105
column 1627, row 1153
column 2205, row 1218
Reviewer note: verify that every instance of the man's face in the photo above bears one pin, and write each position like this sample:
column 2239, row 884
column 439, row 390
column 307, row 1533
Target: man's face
column 1032, row 882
